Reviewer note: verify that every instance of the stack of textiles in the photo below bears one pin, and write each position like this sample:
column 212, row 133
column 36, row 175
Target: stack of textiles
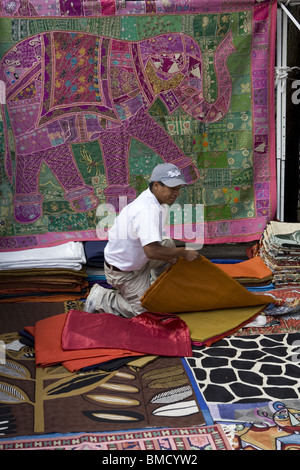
column 50, row 274
column 279, row 248
column 253, row 273
column 94, row 252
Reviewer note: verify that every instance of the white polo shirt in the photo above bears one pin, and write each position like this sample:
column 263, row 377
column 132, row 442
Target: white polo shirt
column 139, row 223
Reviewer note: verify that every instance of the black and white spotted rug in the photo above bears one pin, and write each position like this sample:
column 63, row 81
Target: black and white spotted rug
column 250, row 369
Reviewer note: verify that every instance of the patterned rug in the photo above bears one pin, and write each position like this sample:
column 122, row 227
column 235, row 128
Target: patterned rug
column 145, row 392
column 14, row 317
column 249, row 369
column 240, row 393
column 161, row 439
column 288, row 323
column 98, row 93
column 47, row 400
column 251, row 386
column 271, row 425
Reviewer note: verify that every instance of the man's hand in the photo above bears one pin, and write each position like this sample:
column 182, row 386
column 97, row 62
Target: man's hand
column 158, row 252
column 190, row 255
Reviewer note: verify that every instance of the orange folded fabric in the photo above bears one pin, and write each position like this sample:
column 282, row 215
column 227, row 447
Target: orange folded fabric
column 48, row 351
column 251, row 268
column 195, row 286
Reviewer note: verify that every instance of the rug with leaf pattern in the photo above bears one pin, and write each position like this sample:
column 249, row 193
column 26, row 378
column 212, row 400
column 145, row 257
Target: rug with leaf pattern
column 35, row 400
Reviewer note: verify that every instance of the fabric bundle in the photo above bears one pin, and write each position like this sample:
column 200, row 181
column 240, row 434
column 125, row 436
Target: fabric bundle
column 52, row 274
column 94, row 252
column 208, row 327
column 79, row 339
column 67, row 255
column 47, row 335
column 252, row 273
column 190, row 302
column 279, row 248
column 148, row 333
column 41, row 280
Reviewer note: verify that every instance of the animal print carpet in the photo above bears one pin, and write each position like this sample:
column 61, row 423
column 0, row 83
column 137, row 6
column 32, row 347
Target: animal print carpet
column 251, row 385
column 250, row 369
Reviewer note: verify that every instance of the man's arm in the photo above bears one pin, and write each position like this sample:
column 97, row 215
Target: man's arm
column 165, row 253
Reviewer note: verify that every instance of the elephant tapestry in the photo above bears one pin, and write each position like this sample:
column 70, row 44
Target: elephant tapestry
column 96, row 93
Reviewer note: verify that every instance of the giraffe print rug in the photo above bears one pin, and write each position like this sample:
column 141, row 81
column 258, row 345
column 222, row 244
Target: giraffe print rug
column 251, row 385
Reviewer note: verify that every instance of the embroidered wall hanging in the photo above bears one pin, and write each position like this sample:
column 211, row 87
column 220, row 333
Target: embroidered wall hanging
column 99, row 92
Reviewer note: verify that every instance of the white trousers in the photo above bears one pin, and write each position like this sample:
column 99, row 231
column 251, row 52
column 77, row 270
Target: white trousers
column 130, row 286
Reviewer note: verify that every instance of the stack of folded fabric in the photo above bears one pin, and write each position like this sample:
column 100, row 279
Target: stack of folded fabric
column 280, row 249
column 48, row 274
column 253, row 273
column 94, row 252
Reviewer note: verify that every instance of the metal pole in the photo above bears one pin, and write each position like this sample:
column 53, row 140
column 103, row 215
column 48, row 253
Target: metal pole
column 283, row 115
column 282, row 33
column 279, row 111
column 292, row 3
column 289, row 14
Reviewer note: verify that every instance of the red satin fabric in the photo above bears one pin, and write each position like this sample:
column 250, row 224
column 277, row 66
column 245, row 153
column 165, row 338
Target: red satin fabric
column 149, row 333
column 48, row 350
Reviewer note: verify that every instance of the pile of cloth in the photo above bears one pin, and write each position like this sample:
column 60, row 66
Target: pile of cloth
column 253, row 274
column 189, row 303
column 81, row 341
column 94, row 253
column 279, row 247
column 50, row 274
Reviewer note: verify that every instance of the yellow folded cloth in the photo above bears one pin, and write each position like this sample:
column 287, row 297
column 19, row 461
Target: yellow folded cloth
column 211, row 325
